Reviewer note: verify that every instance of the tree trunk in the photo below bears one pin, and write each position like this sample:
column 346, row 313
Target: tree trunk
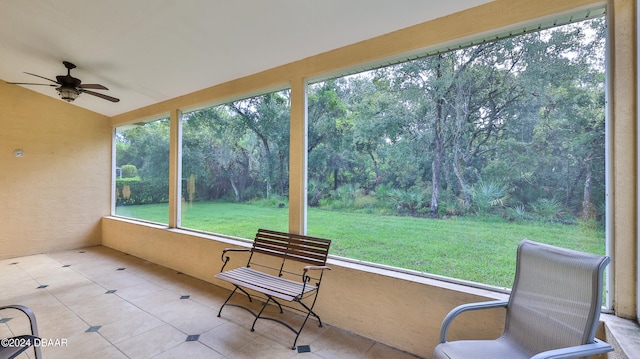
column 235, row 190
column 436, row 164
column 458, row 160
column 588, row 209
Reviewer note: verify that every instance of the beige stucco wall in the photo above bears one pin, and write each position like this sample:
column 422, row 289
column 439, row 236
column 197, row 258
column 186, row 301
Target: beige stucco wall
column 54, row 196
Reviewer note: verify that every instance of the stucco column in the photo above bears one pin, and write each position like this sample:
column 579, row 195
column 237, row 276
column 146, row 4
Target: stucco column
column 298, row 158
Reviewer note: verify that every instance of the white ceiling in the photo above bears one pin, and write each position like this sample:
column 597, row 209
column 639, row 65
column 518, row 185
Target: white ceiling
column 147, row 51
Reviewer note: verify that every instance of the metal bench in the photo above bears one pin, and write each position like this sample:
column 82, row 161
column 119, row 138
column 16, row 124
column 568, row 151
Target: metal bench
column 281, row 265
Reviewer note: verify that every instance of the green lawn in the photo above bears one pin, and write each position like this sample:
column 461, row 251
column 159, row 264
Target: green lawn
column 471, row 248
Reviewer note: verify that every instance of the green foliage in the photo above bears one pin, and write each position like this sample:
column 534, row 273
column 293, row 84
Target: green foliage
column 273, row 201
column 486, row 196
column 547, row 209
column 129, row 171
column 410, row 202
column 517, row 213
column 140, row 191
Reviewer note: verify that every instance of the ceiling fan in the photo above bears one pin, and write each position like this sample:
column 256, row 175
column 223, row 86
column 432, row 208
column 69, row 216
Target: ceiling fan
column 69, row 87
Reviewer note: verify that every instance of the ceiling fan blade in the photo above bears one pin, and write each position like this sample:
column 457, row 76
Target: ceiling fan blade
column 108, row 98
column 42, row 77
column 29, row 83
column 93, row 86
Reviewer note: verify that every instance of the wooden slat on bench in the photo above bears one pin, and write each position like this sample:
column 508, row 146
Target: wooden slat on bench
column 310, row 250
column 265, row 283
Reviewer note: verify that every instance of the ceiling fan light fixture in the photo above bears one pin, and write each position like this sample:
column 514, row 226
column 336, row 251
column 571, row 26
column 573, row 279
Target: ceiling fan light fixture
column 69, row 87
column 68, row 94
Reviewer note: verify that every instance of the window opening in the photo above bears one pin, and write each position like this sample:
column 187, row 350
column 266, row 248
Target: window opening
column 142, row 171
column 442, row 164
column 235, row 166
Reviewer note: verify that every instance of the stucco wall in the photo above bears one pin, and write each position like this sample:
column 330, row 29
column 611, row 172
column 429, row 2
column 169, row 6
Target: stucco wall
column 52, row 198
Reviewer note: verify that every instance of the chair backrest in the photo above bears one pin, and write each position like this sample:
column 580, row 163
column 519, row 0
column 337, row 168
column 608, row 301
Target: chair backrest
column 556, row 297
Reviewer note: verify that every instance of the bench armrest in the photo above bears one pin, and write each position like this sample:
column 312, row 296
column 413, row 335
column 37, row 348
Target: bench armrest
column 224, row 251
column 307, row 268
column 225, row 259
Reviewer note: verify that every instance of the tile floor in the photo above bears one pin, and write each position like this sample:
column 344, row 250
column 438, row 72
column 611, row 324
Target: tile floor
column 101, row 303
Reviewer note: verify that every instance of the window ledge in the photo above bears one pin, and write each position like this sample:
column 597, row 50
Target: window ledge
column 623, row 335
column 483, row 290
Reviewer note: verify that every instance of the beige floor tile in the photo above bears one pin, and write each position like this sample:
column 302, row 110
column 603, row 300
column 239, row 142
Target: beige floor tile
column 119, row 279
column 50, row 317
column 12, row 275
column 145, row 317
column 129, row 327
column 155, row 302
column 174, row 308
column 62, row 277
column 193, row 318
column 152, row 342
column 380, row 351
column 63, row 328
column 70, row 294
column 335, row 343
column 80, row 345
column 34, row 260
column 104, row 310
column 262, row 347
column 139, row 290
column 227, row 338
column 36, row 299
column 192, row 349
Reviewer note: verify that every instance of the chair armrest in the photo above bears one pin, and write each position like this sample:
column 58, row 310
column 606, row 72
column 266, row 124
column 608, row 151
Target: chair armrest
column 444, row 328
column 28, row 312
column 597, row 347
column 32, row 321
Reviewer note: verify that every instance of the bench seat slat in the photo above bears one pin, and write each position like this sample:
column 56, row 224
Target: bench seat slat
column 265, row 283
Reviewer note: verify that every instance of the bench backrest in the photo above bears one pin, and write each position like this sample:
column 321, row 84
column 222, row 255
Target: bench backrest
column 290, row 246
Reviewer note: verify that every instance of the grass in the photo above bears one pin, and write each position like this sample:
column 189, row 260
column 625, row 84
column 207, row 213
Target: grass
column 479, row 249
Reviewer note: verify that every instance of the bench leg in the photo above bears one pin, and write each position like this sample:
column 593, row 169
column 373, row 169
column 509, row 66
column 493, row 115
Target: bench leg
column 264, row 306
column 231, row 295
column 309, row 312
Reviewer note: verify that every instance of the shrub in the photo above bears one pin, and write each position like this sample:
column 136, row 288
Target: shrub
column 547, row 209
column 517, row 213
column 141, row 191
column 487, row 195
column 129, row 171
